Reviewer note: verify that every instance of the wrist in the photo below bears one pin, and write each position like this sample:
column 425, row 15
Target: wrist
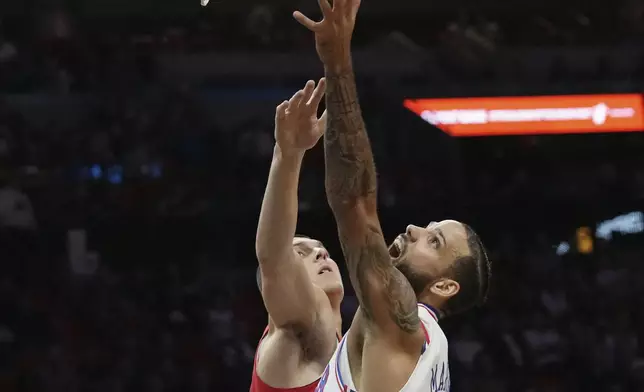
column 288, row 156
column 339, row 66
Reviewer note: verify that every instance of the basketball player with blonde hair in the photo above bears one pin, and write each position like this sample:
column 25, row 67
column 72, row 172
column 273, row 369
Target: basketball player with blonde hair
column 300, row 284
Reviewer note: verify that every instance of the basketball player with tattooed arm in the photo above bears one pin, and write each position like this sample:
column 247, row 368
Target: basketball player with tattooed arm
column 300, row 284
column 395, row 342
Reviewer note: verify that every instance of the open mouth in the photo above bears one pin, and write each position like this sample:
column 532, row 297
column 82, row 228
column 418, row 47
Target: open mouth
column 397, row 248
column 324, row 270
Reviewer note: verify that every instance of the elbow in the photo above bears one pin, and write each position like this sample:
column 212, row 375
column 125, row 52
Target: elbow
column 265, row 259
column 265, row 244
column 339, row 205
column 351, row 199
column 355, row 208
column 262, row 250
column 269, row 255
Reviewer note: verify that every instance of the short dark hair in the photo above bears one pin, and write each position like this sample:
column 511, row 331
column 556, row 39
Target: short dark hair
column 258, row 273
column 473, row 273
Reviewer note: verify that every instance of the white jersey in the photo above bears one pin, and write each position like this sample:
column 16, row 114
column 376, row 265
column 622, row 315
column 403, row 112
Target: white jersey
column 431, row 373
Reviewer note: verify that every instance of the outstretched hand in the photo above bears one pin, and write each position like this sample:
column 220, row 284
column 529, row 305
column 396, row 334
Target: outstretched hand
column 333, row 33
column 297, row 126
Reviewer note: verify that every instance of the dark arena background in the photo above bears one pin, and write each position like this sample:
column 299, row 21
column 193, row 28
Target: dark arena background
column 135, row 141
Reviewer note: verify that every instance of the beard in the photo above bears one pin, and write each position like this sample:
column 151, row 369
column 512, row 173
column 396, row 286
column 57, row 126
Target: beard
column 417, row 279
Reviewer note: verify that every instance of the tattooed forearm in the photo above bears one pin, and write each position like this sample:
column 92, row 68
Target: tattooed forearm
column 378, row 284
column 384, row 294
column 350, row 169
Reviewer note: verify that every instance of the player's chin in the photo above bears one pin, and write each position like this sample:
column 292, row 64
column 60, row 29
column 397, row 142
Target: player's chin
column 330, row 284
column 334, row 289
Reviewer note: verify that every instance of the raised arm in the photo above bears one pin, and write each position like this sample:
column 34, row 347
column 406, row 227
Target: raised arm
column 286, row 288
column 386, row 298
column 385, row 295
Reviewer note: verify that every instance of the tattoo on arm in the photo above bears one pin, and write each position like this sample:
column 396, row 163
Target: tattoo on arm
column 378, row 284
column 350, row 169
column 351, row 177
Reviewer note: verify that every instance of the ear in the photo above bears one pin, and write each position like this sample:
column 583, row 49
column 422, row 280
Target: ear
column 445, row 288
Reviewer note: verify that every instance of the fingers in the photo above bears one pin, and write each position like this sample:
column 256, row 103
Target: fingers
column 308, row 91
column 308, row 97
column 305, row 21
column 339, row 6
column 280, row 111
column 353, row 8
column 318, row 94
column 346, row 8
column 325, row 7
column 295, row 100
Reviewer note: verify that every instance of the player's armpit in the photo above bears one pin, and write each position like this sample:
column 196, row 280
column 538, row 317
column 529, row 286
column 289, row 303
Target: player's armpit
column 288, row 293
column 386, row 297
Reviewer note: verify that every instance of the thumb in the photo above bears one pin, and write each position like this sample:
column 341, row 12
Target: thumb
column 305, row 21
column 322, row 122
column 280, row 111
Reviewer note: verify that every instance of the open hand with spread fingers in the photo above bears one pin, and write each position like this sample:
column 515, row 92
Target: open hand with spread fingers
column 297, row 126
column 333, row 33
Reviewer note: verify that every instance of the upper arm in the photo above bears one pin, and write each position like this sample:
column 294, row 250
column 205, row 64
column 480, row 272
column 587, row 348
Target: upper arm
column 386, row 297
column 288, row 293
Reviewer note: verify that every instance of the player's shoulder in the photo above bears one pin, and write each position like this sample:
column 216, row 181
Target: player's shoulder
column 429, row 318
column 427, row 314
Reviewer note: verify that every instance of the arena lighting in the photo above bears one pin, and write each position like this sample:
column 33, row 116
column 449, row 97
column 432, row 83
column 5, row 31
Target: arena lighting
column 631, row 223
column 557, row 114
column 625, row 224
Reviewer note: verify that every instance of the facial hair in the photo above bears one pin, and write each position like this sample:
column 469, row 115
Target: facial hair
column 416, row 279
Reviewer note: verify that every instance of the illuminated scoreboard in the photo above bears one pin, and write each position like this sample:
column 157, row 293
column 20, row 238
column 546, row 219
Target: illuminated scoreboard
column 533, row 115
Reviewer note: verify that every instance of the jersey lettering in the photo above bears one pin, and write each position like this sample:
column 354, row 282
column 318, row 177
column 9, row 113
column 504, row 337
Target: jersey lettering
column 430, row 375
column 442, row 383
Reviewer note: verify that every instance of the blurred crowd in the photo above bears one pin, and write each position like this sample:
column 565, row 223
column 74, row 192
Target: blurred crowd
column 57, row 50
column 128, row 261
column 127, row 213
column 106, row 298
column 552, row 323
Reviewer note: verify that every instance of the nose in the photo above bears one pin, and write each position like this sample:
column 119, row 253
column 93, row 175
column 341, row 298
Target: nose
column 413, row 232
column 321, row 254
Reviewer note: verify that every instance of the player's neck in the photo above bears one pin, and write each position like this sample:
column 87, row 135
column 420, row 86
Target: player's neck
column 336, row 301
column 335, row 298
column 337, row 320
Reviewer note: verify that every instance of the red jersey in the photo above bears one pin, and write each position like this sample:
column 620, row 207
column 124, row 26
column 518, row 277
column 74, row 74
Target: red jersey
column 257, row 385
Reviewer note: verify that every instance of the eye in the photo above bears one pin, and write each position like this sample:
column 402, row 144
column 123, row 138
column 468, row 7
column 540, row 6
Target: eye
column 434, row 242
column 299, row 252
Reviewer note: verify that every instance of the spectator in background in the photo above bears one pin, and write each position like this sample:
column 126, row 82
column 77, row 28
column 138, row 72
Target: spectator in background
column 16, row 210
column 259, row 24
column 8, row 51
